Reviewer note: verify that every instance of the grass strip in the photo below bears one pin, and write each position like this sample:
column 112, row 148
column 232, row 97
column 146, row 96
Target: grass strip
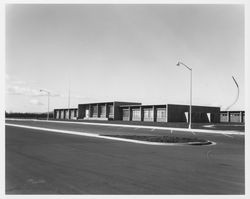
column 163, row 139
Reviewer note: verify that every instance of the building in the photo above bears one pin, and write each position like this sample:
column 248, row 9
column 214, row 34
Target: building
column 169, row 113
column 71, row 113
column 232, row 116
column 134, row 111
column 101, row 111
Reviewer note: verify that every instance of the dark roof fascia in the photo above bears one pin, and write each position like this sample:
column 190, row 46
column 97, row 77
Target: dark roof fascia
column 108, row 103
column 193, row 105
column 65, row 108
column 142, row 105
column 231, row 111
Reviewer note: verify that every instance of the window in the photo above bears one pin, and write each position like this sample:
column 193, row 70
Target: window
column 111, row 109
column 95, row 110
column 136, row 113
column 234, row 114
column 125, row 113
column 161, row 113
column 103, row 111
column 148, row 113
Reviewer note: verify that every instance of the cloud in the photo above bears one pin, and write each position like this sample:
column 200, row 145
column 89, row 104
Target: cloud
column 35, row 102
column 18, row 82
column 72, row 96
column 21, row 90
column 13, row 80
column 24, row 90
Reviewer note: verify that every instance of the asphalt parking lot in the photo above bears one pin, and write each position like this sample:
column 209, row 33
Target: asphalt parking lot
column 46, row 162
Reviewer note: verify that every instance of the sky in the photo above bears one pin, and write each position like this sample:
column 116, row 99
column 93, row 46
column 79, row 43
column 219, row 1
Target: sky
column 123, row 53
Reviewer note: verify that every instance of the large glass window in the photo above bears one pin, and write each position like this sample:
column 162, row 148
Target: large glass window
column 148, row 114
column 125, row 114
column 111, row 110
column 103, row 111
column 136, row 115
column 62, row 114
column 161, row 113
column 94, row 109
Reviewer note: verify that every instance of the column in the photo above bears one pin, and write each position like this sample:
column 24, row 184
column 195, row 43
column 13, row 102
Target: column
column 106, row 110
column 154, row 115
column 90, row 111
column 241, row 116
column 130, row 114
column 141, row 114
column 98, row 113
column 166, row 113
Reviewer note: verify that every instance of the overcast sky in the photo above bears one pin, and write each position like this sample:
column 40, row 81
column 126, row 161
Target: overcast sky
column 123, row 53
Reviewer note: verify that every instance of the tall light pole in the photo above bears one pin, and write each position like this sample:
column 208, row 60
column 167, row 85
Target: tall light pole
column 69, row 100
column 190, row 107
column 238, row 93
column 41, row 90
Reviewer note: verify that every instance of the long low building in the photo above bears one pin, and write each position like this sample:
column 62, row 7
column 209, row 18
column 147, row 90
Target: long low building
column 134, row 111
column 102, row 111
column 232, row 116
column 169, row 113
column 71, row 113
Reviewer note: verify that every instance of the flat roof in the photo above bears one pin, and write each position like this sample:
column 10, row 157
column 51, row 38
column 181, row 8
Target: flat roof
column 64, row 108
column 134, row 105
column 110, row 102
column 143, row 105
column 194, row 105
column 231, row 111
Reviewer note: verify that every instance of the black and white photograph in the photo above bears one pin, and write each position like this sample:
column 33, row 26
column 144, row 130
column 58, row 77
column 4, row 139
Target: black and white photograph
column 124, row 99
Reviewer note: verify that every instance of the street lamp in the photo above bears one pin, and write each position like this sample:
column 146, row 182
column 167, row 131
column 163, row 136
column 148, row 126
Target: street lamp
column 41, row 90
column 190, row 108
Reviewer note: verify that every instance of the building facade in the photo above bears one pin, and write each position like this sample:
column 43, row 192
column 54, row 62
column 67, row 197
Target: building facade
column 101, row 111
column 169, row 113
column 134, row 111
column 71, row 113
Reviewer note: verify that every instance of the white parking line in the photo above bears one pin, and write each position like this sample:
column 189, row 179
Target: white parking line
column 86, row 134
column 228, row 135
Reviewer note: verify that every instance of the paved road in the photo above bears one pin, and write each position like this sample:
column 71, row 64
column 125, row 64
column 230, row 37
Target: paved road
column 43, row 162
